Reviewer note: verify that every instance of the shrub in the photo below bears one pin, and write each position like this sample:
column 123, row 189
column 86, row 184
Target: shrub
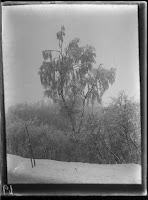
column 102, row 139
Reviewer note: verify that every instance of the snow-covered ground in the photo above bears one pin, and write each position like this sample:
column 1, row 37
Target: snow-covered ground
column 51, row 171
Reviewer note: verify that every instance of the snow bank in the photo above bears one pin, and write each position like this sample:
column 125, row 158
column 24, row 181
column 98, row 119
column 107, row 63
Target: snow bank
column 51, row 171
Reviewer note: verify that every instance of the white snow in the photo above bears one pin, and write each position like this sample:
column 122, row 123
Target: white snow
column 51, row 171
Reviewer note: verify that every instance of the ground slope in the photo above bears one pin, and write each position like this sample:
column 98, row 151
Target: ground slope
column 51, row 171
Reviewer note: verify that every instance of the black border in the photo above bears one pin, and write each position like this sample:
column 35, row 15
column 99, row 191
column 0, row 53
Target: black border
column 143, row 87
column 84, row 189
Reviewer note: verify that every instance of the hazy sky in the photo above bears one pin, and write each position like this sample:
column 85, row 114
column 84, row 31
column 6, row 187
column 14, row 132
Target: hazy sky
column 27, row 30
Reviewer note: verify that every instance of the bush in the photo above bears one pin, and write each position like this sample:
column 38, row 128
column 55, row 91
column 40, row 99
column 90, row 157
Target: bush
column 45, row 114
column 102, row 140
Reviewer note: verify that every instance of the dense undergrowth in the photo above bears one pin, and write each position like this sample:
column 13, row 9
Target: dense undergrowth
column 110, row 135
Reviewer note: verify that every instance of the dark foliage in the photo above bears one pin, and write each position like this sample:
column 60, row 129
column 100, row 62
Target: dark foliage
column 103, row 139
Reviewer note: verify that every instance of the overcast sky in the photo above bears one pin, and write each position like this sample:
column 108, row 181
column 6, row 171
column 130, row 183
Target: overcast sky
column 27, row 30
